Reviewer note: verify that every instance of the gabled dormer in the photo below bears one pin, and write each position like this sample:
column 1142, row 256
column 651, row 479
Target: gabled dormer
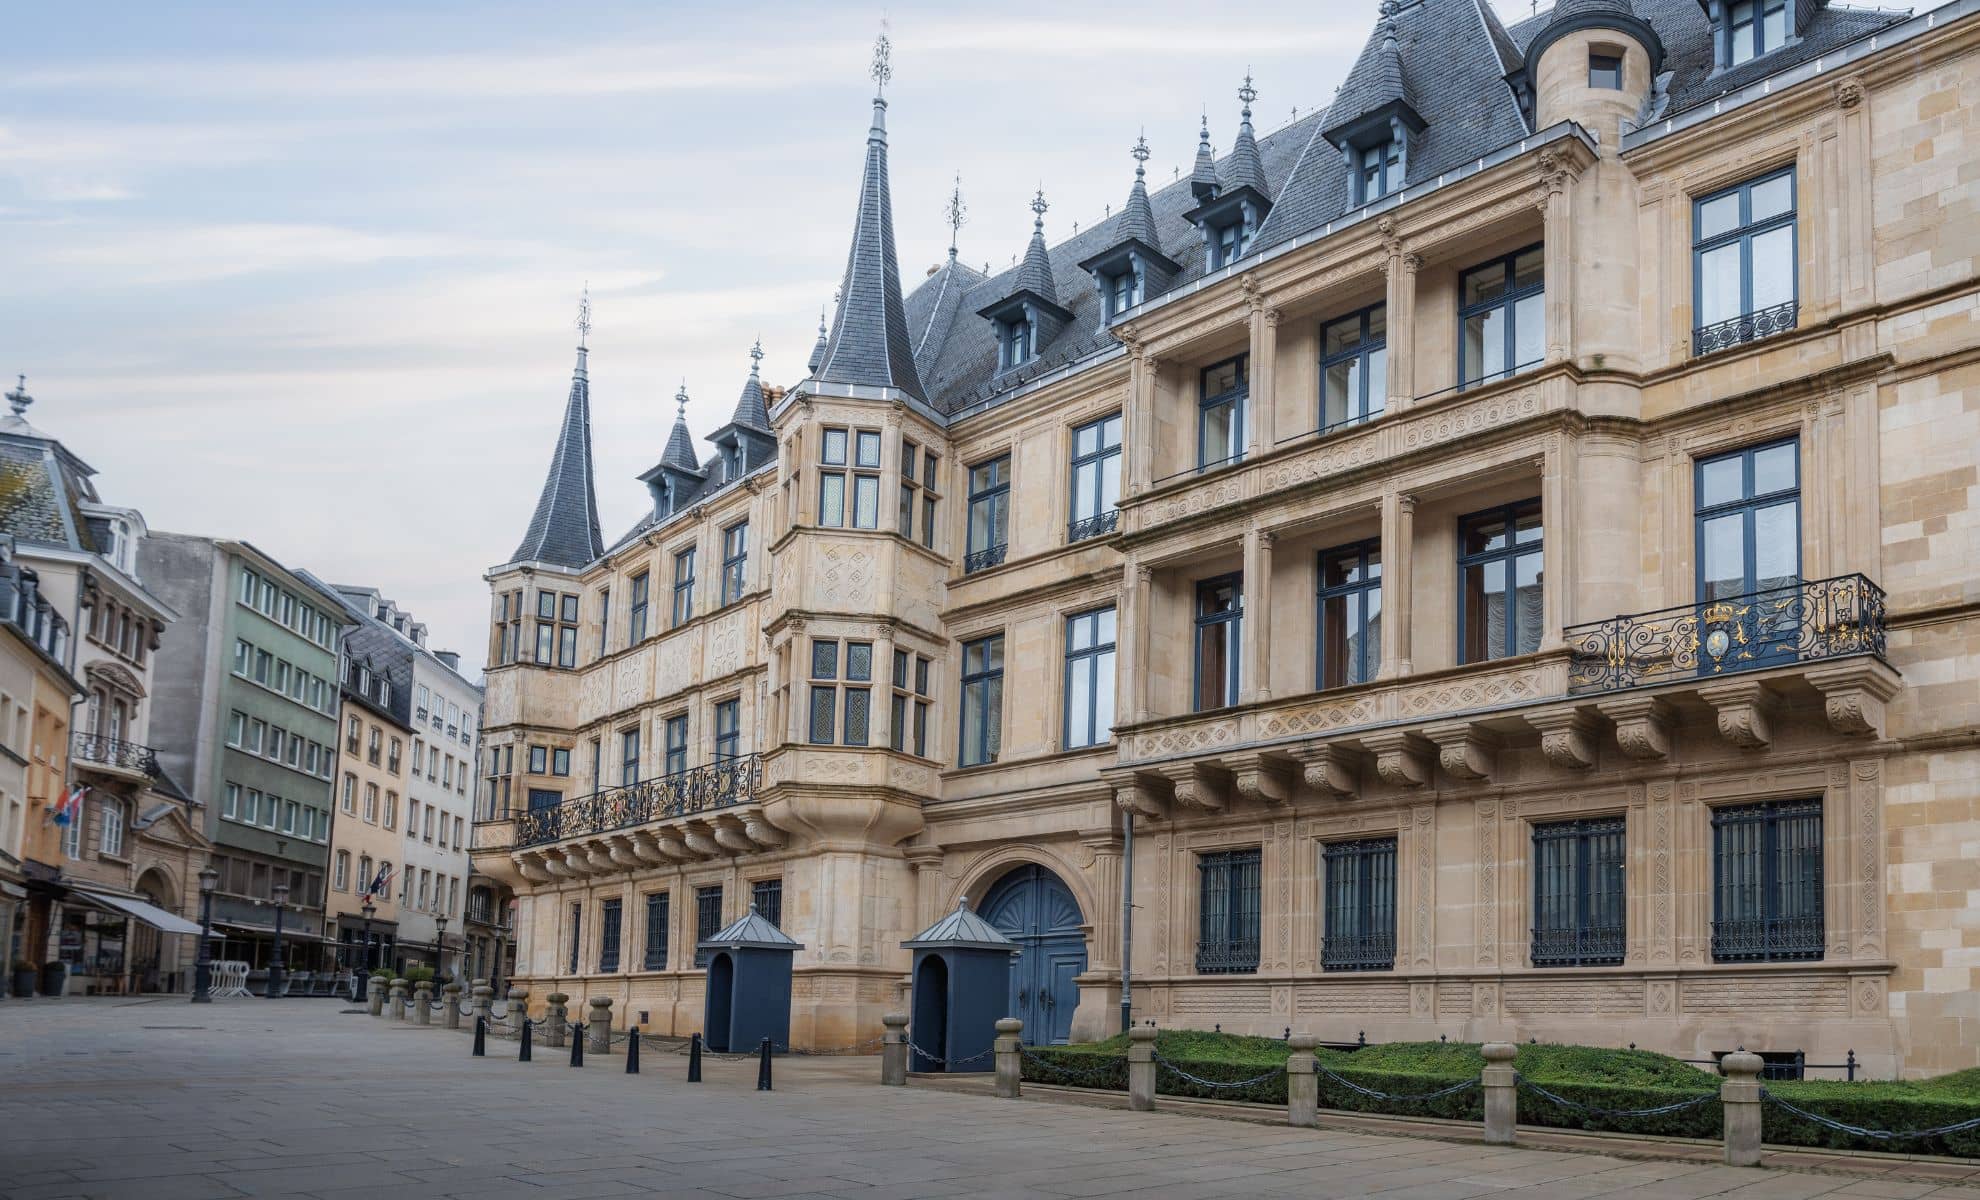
column 1375, row 117
column 747, row 441
column 1743, row 30
column 677, row 476
column 1132, row 267
column 1230, row 216
column 1029, row 315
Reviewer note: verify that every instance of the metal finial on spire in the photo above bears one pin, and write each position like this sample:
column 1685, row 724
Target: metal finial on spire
column 584, row 317
column 1247, row 93
column 681, row 398
column 756, row 352
column 19, row 399
column 882, row 69
column 1038, row 207
column 956, row 213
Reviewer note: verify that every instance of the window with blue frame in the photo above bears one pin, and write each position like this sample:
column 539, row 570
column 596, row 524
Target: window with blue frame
column 728, row 730
column 1749, row 521
column 1502, row 317
column 1227, row 912
column 1013, row 344
column 1096, row 478
column 1227, row 244
column 1222, row 389
column 1350, row 614
column 989, row 514
column 1089, row 699
column 629, row 756
column 1219, row 625
column 609, row 920
column 1605, row 70
column 1500, row 580
column 1123, row 292
column 1360, row 920
column 824, row 695
column 982, row 700
column 577, row 933
column 1767, row 882
column 735, row 561
column 1743, row 263
column 1354, row 367
column 707, row 919
column 1753, row 28
column 677, row 738
column 657, row 917
column 1377, row 171
column 1579, row 899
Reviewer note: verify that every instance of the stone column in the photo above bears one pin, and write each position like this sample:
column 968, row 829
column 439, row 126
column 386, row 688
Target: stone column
column 1739, row 1095
column 1105, row 873
column 1398, row 543
column 1010, row 1071
column 1401, row 267
column 894, row 1050
column 1254, row 667
column 1141, row 1068
column 1558, row 211
column 925, row 862
column 395, row 1001
column 1138, row 437
column 374, row 995
column 423, row 1002
column 1302, row 1082
column 1133, row 666
column 1501, row 1084
column 450, row 1005
column 1263, row 434
column 598, row 1026
column 556, row 1021
column 880, row 710
column 1557, row 580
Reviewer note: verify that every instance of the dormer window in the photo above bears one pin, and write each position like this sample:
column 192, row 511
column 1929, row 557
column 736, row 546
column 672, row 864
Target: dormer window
column 732, row 460
column 1378, row 171
column 1014, row 346
column 1227, row 243
column 1753, row 28
column 1123, row 292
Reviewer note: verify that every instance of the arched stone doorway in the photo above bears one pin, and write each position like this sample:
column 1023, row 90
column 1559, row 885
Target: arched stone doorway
column 1034, row 908
column 151, row 961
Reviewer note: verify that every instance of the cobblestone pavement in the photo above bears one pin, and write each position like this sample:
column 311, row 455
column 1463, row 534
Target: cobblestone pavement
column 162, row 1100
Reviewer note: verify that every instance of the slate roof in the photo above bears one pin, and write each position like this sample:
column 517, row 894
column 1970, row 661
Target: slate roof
column 752, row 930
column 751, row 412
column 564, row 530
column 43, row 486
column 679, row 454
column 869, row 345
column 372, row 643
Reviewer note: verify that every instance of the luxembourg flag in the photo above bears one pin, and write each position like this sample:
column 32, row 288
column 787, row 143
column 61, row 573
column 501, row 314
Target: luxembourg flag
column 381, row 886
column 70, row 806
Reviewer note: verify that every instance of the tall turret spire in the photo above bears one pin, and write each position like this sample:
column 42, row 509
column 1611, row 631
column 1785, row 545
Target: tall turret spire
column 817, row 358
column 1203, row 182
column 564, row 529
column 679, row 453
column 869, row 344
column 1244, row 167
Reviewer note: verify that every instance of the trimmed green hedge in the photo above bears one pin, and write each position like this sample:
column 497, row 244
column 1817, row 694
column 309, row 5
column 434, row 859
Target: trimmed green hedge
column 1613, row 1079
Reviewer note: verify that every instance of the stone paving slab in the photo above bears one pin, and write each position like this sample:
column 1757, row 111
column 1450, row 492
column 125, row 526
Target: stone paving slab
column 161, row 1100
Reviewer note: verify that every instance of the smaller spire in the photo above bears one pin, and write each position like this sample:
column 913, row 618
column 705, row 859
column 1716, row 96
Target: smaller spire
column 818, row 351
column 1244, row 167
column 584, row 316
column 680, row 444
column 1203, row 182
column 18, row 399
column 1138, row 216
column 1035, row 272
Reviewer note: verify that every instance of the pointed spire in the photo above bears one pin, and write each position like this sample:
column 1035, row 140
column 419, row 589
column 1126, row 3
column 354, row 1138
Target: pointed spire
column 1244, row 167
column 1203, row 181
column 869, row 344
column 1138, row 215
column 818, row 351
column 751, row 412
column 18, row 399
column 1035, row 273
column 679, row 454
column 564, row 529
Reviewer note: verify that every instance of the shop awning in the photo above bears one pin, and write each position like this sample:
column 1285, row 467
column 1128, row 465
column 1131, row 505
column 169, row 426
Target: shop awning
column 131, row 906
column 289, row 933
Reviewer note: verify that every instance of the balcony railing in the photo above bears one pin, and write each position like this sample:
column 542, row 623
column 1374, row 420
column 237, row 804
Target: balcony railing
column 718, row 785
column 1094, row 526
column 984, row 559
column 1812, row 619
column 1359, row 952
column 96, row 749
column 1747, row 327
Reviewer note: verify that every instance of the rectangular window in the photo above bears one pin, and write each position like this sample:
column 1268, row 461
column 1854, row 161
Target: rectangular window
column 1089, row 690
column 629, row 756
column 636, row 631
column 1767, row 882
column 1578, row 897
column 1096, row 479
column 910, row 704
column 1227, row 918
column 1502, row 317
column 1013, row 344
column 684, row 586
column 832, row 484
column 657, row 917
column 230, row 801
column 1219, row 626
column 1360, row 890
column 824, row 696
column 1222, row 390
column 1743, row 263
column 604, row 620
column 1123, row 292
column 560, row 761
column 1500, row 574
column 1753, row 28
column 371, row 804
column 1350, row 613
column 989, row 514
column 1378, row 171
column 608, row 936
column 676, row 744
column 707, row 919
column 735, row 561
column 982, row 700
column 928, row 499
column 728, row 730
column 577, row 930
column 1354, row 368
column 859, row 700
column 1605, row 70
column 766, row 896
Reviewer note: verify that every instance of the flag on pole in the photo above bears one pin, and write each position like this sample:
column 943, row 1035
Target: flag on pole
column 382, row 885
column 69, row 807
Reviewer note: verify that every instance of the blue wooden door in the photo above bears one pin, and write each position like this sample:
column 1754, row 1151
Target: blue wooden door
column 1035, row 909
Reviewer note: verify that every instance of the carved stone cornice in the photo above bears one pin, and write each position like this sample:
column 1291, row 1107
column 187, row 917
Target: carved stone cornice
column 1643, row 725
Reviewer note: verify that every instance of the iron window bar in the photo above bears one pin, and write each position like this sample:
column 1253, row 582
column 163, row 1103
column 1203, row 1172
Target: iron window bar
column 1099, row 525
column 1228, row 923
column 715, row 785
column 1579, row 900
column 1360, row 919
column 984, row 559
column 112, row 752
column 1811, row 619
column 1767, row 882
column 1747, row 327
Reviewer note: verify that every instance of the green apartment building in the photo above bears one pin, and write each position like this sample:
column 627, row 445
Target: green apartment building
column 246, row 712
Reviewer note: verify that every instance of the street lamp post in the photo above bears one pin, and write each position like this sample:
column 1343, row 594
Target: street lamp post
column 203, row 971
column 367, row 908
column 440, row 951
column 281, row 891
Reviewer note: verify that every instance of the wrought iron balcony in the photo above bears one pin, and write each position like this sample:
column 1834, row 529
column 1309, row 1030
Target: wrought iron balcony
column 1589, row 946
column 1805, row 621
column 1236, row 956
column 984, row 559
column 1095, row 526
column 1359, row 952
column 98, row 750
column 1747, row 327
column 718, row 785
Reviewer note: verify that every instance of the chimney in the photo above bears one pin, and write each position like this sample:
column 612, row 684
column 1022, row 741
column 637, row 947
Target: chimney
column 450, row 657
column 772, row 394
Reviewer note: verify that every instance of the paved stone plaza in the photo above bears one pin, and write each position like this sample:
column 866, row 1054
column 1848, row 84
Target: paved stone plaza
column 159, row 1100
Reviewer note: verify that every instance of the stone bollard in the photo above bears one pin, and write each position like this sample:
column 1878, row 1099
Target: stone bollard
column 395, row 1001
column 555, row 1020
column 1010, row 1069
column 1141, row 1068
column 598, row 1026
column 894, row 1050
column 483, row 1003
column 374, row 995
column 1501, row 1084
column 1302, row 1082
column 423, row 1002
column 450, row 1004
column 518, row 1010
column 1740, row 1096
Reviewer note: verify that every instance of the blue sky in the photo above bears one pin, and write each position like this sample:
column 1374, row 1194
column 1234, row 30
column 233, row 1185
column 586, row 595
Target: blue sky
column 305, row 274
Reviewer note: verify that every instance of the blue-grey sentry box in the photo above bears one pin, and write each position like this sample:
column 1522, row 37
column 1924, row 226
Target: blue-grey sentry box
column 962, row 985
column 749, row 986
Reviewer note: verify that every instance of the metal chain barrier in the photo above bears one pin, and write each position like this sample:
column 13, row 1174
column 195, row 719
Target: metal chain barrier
column 1081, row 1076
column 1596, row 1110
column 1884, row 1135
column 1373, row 1094
column 1199, row 1081
column 961, row 1062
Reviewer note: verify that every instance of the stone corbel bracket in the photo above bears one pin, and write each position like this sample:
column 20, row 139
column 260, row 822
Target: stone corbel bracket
column 1201, row 786
column 762, row 832
column 1643, row 725
column 530, row 867
column 577, row 863
column 1854, row 692
column 1567, row 736
column 1144, row 795
column 671, row 844
column 701, row 840
column 1745, row 709
column 1332, row 771
column 1402, row 759
column 619, row 848
column 1262, row 778
column 649, row 850
column 1465, row 750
